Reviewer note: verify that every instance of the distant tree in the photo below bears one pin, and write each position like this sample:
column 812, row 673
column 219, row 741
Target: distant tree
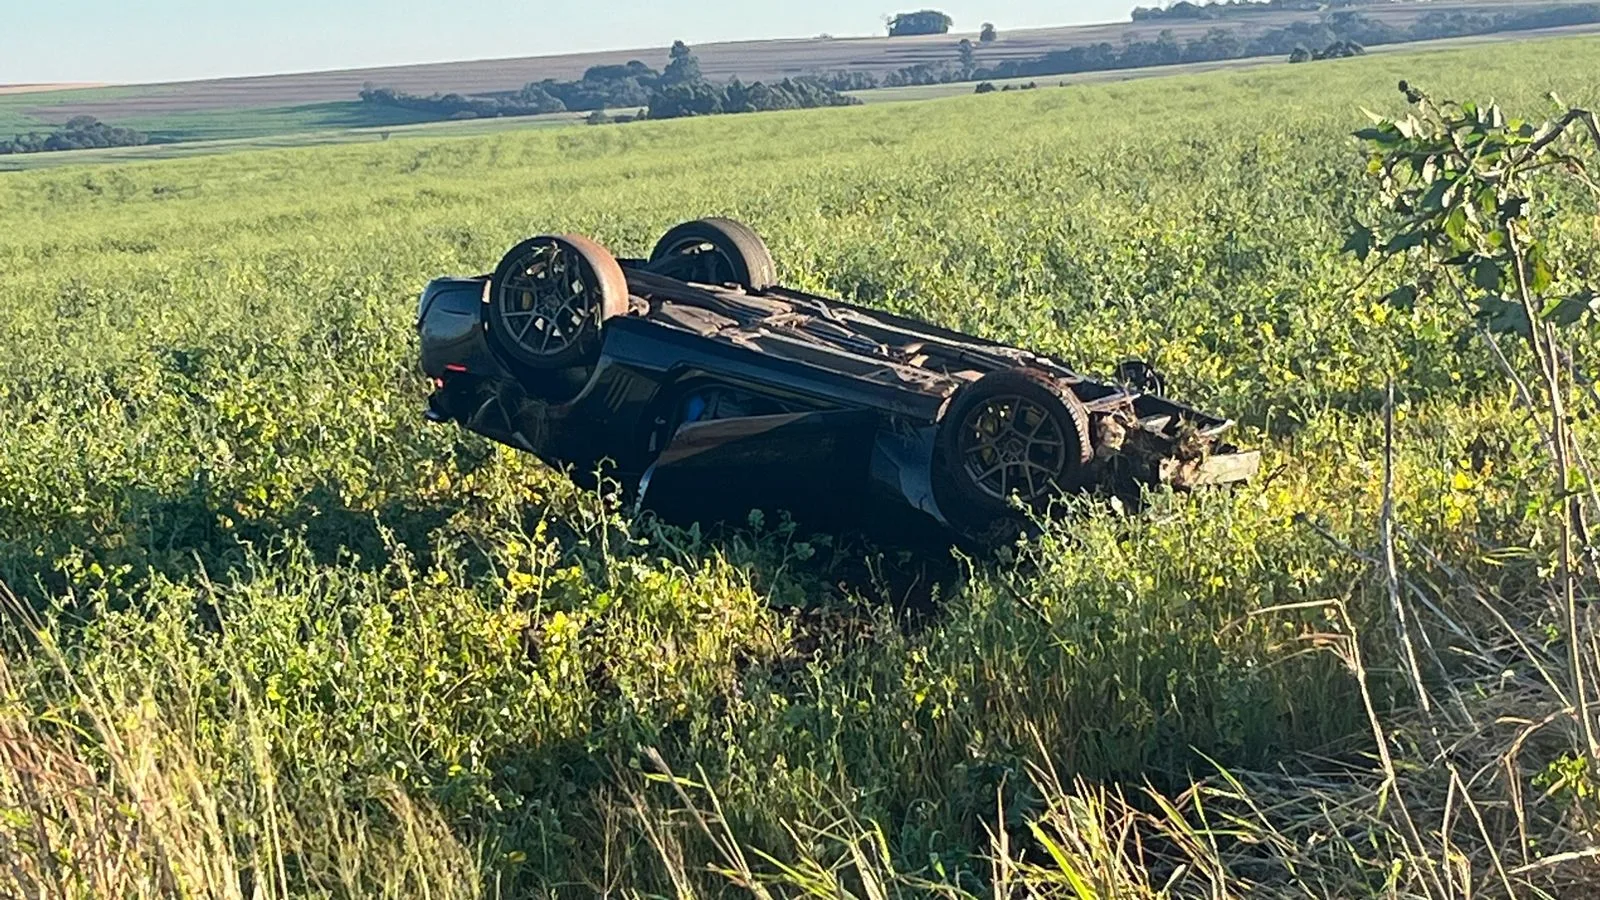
column 633, row 69
column 532, row 100
column 847, row 80
column 969, row 60
column 684, row 67
column 702, row 98
column 689, row 98
column 927, row 21
column 985, row 87
column 79, row 133
column 1300, row 55
column 606, row 87
column 987, row 35
column 535, row 100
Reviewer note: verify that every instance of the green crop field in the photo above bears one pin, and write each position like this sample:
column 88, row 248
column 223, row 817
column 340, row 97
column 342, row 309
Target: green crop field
column 262, row 137
column 267, row 634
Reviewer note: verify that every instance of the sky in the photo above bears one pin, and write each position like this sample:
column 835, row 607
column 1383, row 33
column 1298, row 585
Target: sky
column 134, row 41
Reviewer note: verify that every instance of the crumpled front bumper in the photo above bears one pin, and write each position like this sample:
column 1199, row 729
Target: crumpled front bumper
column 1151, row 452
column 1230, row 467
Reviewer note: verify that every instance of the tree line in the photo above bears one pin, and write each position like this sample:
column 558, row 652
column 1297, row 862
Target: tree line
column 676, row 91
column 1342, row 29
column 79, row 133
column 1183, row 9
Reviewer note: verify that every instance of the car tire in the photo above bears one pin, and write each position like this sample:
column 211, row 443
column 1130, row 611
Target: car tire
column 550, row 297
column 1012, row 432
column 716, row 251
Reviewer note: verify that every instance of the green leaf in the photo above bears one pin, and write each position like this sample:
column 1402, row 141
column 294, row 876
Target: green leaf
column 1405, row 241
column 1503, row 316
column 1360, row 242
column 1486, row 274
column 1540, row 276
column 1570, row 310
column 1064, row 864
column 1402, row 297
column 1435, row 199
column 1455, row 228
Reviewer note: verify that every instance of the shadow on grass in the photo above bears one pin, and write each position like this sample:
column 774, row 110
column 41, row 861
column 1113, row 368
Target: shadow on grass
column 230, row 124
column 179, row 537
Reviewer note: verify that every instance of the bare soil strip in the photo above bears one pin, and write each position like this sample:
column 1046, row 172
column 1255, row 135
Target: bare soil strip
column 10, row 89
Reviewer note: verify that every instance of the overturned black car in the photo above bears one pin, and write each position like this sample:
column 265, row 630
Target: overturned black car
column 713, row 390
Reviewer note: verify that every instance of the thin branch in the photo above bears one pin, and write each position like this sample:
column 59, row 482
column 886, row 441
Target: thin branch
column 1390, row 569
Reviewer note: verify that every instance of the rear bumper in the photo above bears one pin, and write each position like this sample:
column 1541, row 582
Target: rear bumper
column 450, row 327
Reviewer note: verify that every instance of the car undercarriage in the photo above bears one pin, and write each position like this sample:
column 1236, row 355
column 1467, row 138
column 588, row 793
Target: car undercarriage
column 695, row 374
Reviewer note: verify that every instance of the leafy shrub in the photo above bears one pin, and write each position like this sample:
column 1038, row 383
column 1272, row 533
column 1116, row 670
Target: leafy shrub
column 927, row 21
column 79, row 133
column 532, row 100
column 846, row 79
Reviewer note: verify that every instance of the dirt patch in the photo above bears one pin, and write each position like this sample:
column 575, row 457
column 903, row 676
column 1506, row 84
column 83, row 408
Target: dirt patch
column 7, row 89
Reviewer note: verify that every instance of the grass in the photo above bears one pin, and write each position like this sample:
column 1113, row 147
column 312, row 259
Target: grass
column 213, row 147
column 274, row 636
column 22, row 112
column 240, row 124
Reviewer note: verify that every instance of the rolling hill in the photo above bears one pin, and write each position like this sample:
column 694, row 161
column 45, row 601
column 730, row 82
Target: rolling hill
column 750, row 60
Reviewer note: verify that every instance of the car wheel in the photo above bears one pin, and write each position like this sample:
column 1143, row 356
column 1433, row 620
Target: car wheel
column 549, row 298
column 1013, row 433
column 715, row 251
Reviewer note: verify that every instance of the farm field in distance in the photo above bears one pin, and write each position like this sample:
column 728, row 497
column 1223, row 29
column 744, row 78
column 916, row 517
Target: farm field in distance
column 205, row 133
column 266, row 633
column 323, row 106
